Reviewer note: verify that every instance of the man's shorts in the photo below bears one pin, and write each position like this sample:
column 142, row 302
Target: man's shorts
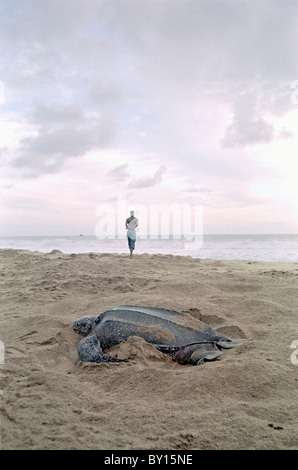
column 131, row 243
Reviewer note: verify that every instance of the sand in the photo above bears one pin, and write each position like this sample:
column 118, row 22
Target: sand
column 52, row 400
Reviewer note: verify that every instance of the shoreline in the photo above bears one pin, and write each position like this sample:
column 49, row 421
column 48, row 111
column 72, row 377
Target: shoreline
column 57, row 252
column 267, row 248
column 51, row 400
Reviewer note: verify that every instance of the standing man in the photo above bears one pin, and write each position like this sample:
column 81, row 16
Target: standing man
column 131, row 225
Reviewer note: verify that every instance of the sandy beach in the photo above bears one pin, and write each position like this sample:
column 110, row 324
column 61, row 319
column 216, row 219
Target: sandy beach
column 51, row 400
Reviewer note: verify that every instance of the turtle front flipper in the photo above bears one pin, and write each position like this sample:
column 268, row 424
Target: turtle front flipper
column 89, row 350
column 197, row 353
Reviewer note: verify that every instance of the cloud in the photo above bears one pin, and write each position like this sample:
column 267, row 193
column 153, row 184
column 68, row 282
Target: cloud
column 148, row 181
column 119, row 173
column 55, row 113
column 193, row 84
column 63, row 131
column 244, row 132
column 285, row 134
column 197, row 189
column 248, row 126
column 3, row 152
column 127, row 56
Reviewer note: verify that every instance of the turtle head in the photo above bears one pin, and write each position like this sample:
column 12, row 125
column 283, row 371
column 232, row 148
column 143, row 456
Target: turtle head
column 83, row 326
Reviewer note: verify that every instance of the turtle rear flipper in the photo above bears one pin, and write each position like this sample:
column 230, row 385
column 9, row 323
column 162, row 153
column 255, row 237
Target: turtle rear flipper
column 89, row 350
column 231, row 343
column 197, row 353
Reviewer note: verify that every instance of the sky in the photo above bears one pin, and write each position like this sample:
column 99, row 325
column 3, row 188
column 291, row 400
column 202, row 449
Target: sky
column 185, row 103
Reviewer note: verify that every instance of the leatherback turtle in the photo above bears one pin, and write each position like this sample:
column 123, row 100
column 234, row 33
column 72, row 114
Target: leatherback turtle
column 163, row 328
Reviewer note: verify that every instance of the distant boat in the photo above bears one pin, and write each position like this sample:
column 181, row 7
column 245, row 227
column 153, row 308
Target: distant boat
column 81, row 235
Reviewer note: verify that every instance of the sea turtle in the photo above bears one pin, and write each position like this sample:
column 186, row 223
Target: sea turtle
column 163, row 328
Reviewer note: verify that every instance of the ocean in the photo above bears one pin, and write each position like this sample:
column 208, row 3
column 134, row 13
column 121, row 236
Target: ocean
column 280, row 248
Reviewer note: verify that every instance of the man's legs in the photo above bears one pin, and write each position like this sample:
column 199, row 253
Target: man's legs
column 131, row 244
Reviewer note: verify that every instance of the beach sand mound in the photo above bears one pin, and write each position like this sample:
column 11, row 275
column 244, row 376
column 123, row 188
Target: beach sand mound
column 52, row 400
